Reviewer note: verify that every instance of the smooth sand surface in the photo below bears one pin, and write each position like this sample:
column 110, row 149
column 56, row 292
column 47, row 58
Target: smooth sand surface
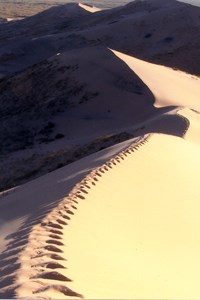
column 134, row 232
column 170, row 87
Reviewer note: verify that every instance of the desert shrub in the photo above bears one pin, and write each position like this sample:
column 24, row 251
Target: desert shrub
column 59, row 136
column 168, row 39
column 34, row 96
column 148, row 35
column 47, row 129
column 115, row 21
column 88, row 96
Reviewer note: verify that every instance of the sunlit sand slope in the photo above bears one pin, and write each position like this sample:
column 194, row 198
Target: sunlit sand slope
column 89, row 8
column 137, row 233
column 22, row 211
column 170, row 87
column 128, row 230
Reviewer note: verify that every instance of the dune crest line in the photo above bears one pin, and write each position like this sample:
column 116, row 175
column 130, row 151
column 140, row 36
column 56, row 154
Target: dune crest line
column 44, row 256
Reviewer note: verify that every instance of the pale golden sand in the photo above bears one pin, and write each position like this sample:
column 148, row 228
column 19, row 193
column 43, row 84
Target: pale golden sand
column 136, row 234
column 89, row 8
column 133, row 234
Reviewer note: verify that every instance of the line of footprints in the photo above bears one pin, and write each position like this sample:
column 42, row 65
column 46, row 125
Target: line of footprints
column 52, row 231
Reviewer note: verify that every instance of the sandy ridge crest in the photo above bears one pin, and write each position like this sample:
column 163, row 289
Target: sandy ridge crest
column 43, row 262
column 90, row 8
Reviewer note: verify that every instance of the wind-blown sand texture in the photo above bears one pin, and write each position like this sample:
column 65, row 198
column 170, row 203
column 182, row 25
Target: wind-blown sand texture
column 121, row 223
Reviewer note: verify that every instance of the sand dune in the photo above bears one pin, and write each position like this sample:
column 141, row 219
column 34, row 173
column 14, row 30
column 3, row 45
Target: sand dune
column 121, row 223
column 30, row 203
column 178, row 87
column 136, row 239
column 90, row 8
column 124, row 221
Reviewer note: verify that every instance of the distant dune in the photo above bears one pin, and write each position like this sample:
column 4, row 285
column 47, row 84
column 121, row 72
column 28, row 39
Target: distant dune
column 21, row 9
column 100, row 157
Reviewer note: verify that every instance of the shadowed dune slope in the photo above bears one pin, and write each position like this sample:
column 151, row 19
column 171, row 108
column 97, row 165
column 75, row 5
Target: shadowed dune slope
column 53, row 106
column 83, row 92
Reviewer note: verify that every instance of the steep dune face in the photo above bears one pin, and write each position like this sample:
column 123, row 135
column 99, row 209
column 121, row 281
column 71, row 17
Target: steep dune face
column 58, row 96
column 184, row 86
column 77, row 90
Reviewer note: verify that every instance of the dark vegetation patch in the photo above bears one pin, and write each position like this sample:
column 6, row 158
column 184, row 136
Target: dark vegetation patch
column 88, row 96
column 148, row 35
column 29, row 100
column 132, row 86
column 115, row 21
column 168, row 39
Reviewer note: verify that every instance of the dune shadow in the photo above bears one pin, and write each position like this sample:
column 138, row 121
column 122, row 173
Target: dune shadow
column 6, row 281
column 175, row 125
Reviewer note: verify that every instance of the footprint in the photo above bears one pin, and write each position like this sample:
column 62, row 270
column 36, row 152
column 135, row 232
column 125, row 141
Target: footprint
column 52, row 276
column 53, row 249
column 55, row 242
